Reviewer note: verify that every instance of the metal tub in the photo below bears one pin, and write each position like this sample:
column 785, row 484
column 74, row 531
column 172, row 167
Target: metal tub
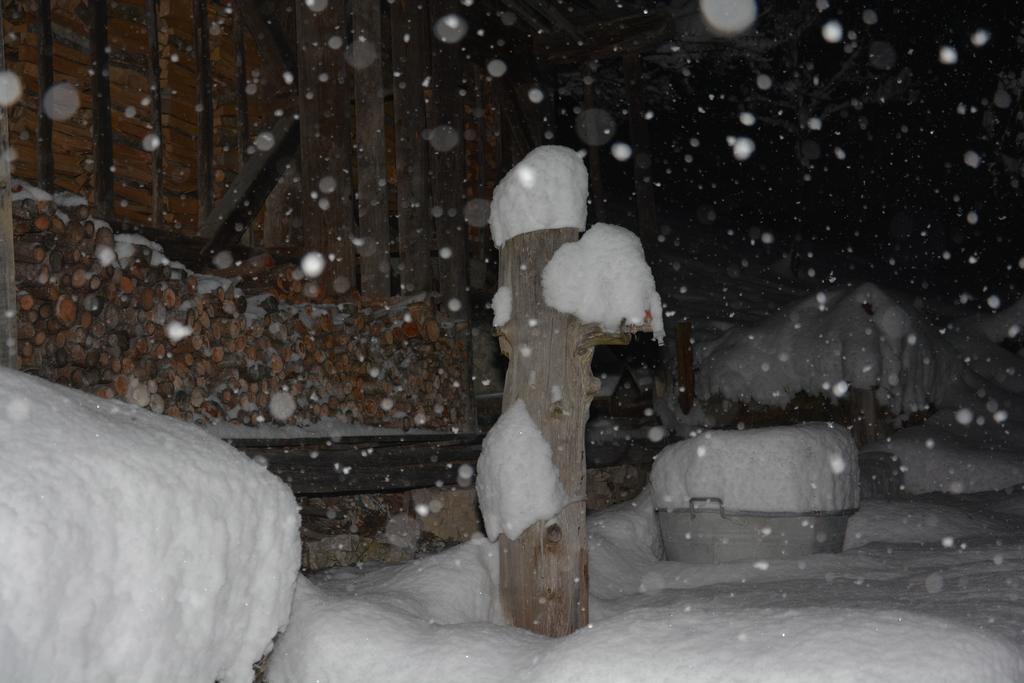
column 707, row 533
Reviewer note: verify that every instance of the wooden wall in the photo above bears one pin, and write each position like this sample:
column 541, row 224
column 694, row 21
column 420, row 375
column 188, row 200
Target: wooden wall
column 382, row 82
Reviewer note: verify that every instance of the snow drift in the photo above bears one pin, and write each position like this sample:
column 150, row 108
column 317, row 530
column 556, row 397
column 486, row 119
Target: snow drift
column 135, row 547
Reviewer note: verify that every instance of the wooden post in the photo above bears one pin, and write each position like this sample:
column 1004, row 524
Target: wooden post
column 325, row 132
column 415, row 226
column 645, row 210
column 544, row 580
column 371, row 153
column 593, row 153
column 684, row 366
column 156, row 119
column 204, row 108
column 44, row 71
column 8, row 293
column 864, row 416
column 102, row 131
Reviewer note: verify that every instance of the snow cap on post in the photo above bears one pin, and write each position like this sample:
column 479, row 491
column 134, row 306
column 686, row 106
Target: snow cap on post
column 547, row 189
column 604, row 279
column 517, row 483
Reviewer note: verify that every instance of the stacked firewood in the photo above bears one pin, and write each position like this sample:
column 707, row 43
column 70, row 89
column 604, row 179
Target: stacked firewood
column 111, row 315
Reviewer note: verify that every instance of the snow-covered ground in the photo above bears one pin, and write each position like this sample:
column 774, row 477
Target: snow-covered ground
column 923, row 591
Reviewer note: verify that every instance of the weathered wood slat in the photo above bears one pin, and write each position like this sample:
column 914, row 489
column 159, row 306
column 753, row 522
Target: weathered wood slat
column 102, row 133
column 371, row 160
column 410, row 48
column 204, row 108
column 44, row 137
column 156, row 109
column 8, row 291
column 448, row 168
column 241, row 98
column 325, row 123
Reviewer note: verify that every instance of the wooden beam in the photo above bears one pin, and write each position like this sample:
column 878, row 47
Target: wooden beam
column 395, row 463
column 325, row 124
column 371, row 151
column 156, row 108
column 646, row 212
column 102, row 132
column 225, row 224
column 204, row 107
column 410, row 51
column 272, row 42
column 8, row 291
column 44, row 71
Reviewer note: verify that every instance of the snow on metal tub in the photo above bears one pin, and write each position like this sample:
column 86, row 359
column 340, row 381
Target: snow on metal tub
column 708, row 533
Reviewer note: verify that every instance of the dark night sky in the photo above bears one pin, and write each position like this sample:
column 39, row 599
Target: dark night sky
column 904, row 170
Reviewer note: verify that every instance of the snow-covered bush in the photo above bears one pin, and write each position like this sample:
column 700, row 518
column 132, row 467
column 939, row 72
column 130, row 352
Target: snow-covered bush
column 134, row 546
column 827, row 343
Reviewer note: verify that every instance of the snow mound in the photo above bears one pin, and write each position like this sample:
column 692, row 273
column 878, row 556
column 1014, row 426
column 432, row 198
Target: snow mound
column 827, row 343
column 135, row 547
column 603, row 278
column 936, row 458
column 517, row 483
column 803, row 468
column 501, row 304
column 547, row 189
column 899, row 521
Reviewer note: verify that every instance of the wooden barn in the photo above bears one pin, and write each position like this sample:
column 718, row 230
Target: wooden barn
column 275, row 217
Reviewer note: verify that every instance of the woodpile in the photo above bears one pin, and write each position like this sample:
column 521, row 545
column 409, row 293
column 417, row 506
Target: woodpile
column 111, row 315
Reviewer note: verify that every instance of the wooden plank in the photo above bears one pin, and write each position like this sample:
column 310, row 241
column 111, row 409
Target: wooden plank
column 371, row 153
column 410, row 42
column 156, row 110
column 448, row 168
column 102, row 134
column 204, row 107
column 8, row 291
column 613, row 38
column 326, row 133
column 388, row 463
column 639, row 136
column 225, row 224
column 272, row 42
column 44, row 69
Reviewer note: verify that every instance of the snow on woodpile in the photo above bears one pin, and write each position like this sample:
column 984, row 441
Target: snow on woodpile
column 547, row 189
column 804, row 468
column 134, row 546
column 517, row 483
column 828, row 343
column 603, row 278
